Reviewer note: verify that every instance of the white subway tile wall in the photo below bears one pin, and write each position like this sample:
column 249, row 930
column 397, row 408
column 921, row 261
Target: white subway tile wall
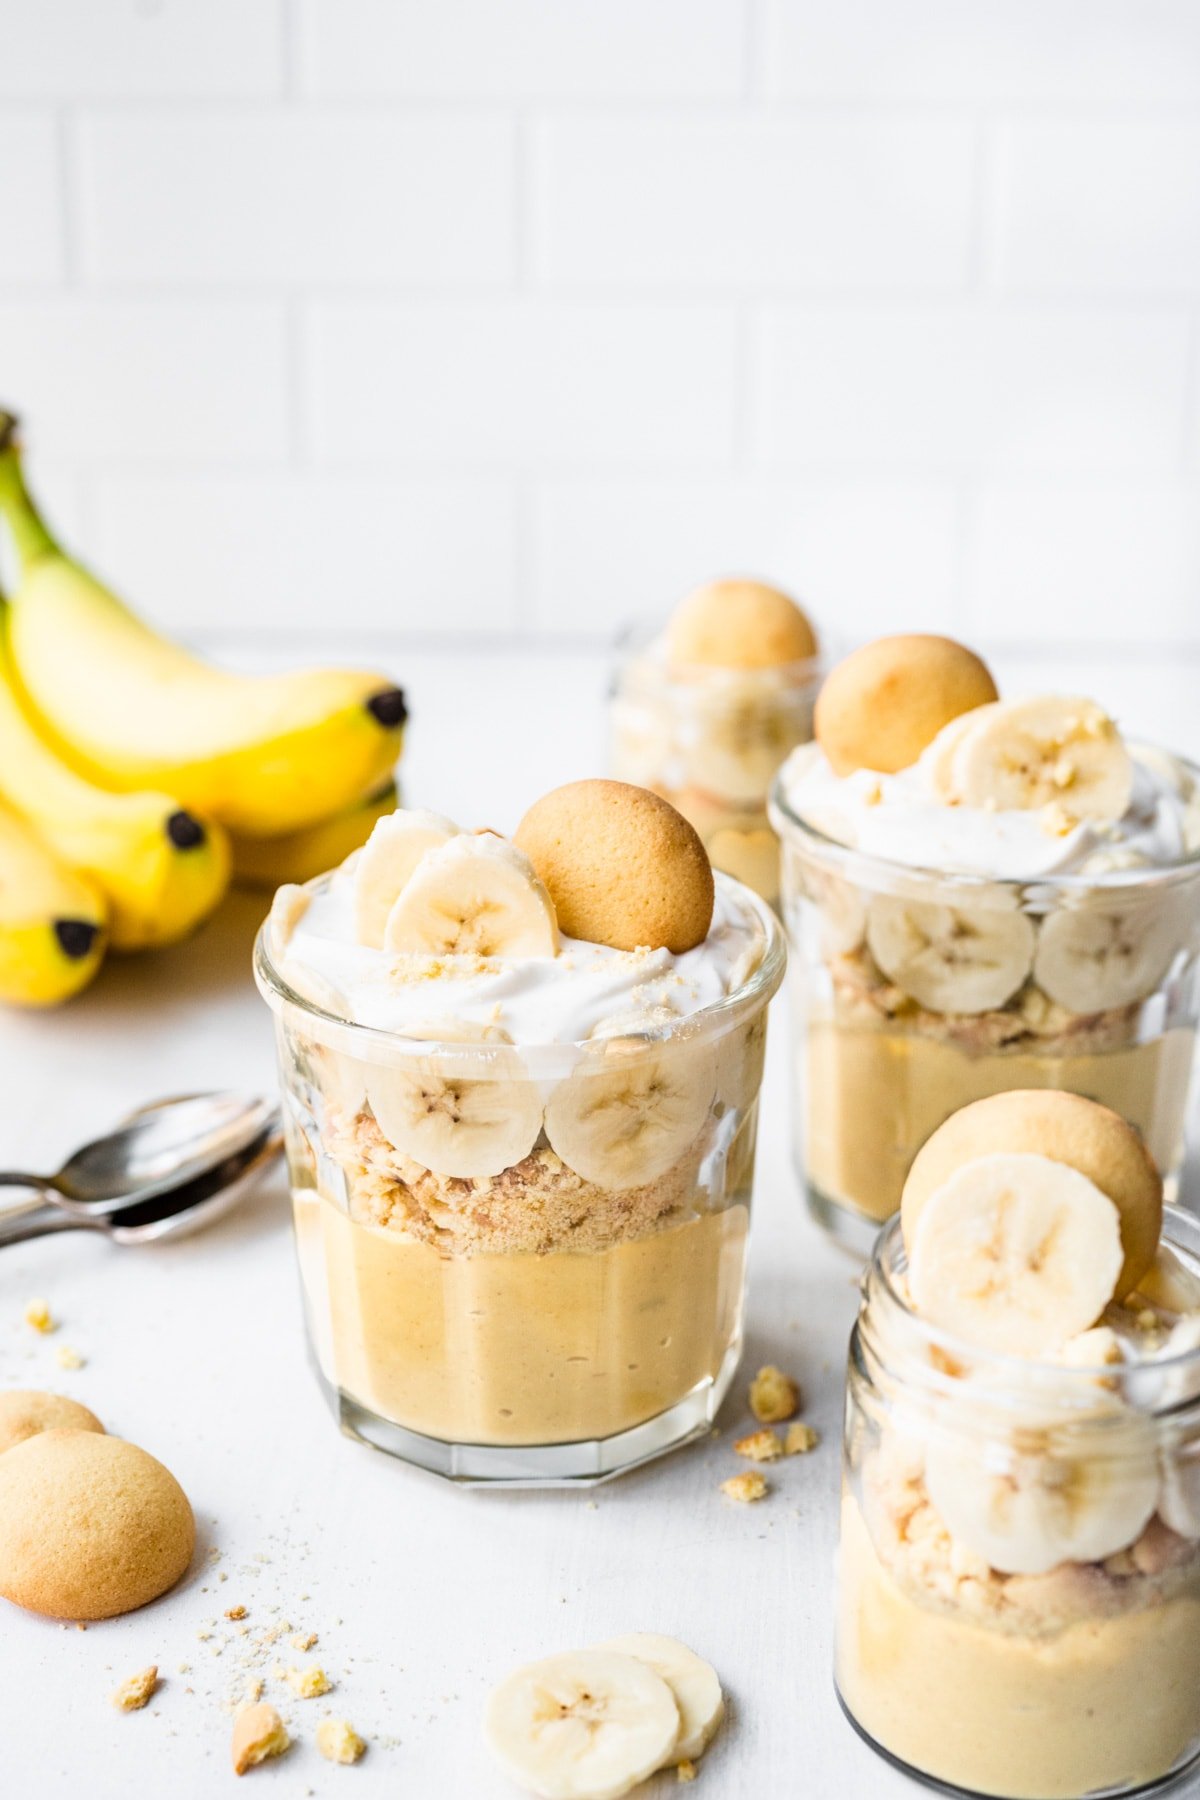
column 507, row 318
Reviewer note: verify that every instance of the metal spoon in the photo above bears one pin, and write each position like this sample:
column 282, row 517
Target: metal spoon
column 169, row 1212
column 161, row 1147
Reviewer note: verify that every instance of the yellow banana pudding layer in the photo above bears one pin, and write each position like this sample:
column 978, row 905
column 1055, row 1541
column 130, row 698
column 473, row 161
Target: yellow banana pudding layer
column 980, row 894
column 1019, row 1569
column 521, row 1081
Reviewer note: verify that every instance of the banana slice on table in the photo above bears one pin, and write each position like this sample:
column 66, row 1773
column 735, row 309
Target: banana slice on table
column 1016, row 1254
column 1052, row 1484
column 477, row 1122
column 626, row 1117
column 694, row 1683
column 1089, row 958
column 396, row 845
column 952, row 959
column 1023, row 754
column 586, row 1725
column 473, row 896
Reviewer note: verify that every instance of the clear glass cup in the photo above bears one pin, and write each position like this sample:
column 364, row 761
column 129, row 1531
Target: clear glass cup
column 1078, row 1679
column 578, row 1311
column 879, row 1066
column 710, row 741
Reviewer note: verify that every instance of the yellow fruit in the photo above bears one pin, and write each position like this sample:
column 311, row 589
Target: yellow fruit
column 51, row 921
column 160, row 868
column 264, row 756
column 297, row 856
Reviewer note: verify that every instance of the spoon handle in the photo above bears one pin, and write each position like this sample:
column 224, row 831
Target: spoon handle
column 14, row 1178
column 29, row 1222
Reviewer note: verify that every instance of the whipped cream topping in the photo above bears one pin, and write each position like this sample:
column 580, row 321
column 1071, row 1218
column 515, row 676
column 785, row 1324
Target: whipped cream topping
column 901, row 819
column 587, row 990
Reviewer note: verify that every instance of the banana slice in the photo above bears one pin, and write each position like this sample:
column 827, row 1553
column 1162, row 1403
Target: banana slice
column 1016, row 1254
column 396, row 845
column 741, row 1054
column 1179, row 1502
column 693, row 1682
column 626, row 1117
column 936, row 761
column 841, row 911
column 1023, row 754
column 473, row 896
column 736, row 743
column 586, row 1725
column 1089, row 958
column 951, row 959
column 476, row 1122
column 1052, row 1484
column 287, row 909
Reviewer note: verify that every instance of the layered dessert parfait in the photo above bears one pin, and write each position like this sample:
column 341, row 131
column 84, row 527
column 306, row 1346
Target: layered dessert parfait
column 521, row 1083
column 705, row 712
column 1019, row 1568
column 981, row 894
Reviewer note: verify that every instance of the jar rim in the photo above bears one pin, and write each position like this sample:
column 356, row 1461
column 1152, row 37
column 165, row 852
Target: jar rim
column 870, row 870
column 888, row 1262
column 716, row 1019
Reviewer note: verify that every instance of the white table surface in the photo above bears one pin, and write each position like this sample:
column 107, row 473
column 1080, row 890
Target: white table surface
column 423, row 1595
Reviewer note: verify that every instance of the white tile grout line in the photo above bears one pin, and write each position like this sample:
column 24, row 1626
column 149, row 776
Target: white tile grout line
column 291, row 46
column 791, row 108
column 298, row 393
column 69, row 175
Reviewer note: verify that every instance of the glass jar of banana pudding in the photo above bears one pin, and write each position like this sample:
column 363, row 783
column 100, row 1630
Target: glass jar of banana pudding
column 1018, row 1608
column 704, row 713
column 520, row 1087
column 980, row 895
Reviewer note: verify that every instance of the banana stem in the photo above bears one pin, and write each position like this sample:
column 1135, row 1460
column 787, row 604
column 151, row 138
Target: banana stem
column 16, row 503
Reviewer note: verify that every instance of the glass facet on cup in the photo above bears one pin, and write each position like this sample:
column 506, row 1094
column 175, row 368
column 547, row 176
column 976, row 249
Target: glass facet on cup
column 565, row 1316
column 878, row 1065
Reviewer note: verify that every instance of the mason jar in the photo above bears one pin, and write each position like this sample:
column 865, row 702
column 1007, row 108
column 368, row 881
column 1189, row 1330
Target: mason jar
column 710, row 741
column 1088, row 983
column 1018, row 1580
column 575, row 1311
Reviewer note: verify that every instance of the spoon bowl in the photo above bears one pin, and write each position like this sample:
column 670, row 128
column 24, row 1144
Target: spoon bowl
column 169, row 1212
column 158, row 1149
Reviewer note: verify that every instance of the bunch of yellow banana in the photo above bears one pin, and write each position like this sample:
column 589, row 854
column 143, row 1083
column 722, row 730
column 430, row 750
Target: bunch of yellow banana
column 144, row 775
column 52, row 921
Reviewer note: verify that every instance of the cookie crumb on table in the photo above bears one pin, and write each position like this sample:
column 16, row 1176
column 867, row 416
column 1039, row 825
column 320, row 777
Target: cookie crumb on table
column 800, row 1439
column 307, row 1683
column 338, row 1741
column 133, row 1694
column 38, row 1314
column 303, row 1640
column 774, row 1396
column 760, row 1446
column 258, row 1733
column 235, row 1612
column 66, row 1358
column 685, row 1771
column 745, row 1487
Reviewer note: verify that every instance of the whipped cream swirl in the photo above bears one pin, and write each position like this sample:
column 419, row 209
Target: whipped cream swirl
column 901, row 818
column 587, row 990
